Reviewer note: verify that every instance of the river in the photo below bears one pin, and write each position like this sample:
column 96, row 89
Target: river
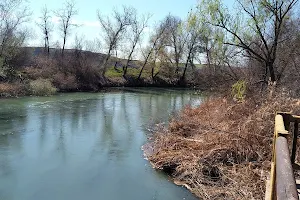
column 86, row 145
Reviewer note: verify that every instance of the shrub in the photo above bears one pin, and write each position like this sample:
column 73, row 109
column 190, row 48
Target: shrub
column 12, row 89
column 42, row 68
column 42, row 87
column 65, row 82
column 238, row 90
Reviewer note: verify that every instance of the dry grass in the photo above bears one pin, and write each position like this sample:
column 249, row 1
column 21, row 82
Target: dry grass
column 222, row 149
column 65, row 82
column 12, row 89
column 42, row 87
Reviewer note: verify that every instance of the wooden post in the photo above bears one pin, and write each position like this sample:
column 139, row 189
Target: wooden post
column 294, row 147
column 279, row 128
column 285, row 180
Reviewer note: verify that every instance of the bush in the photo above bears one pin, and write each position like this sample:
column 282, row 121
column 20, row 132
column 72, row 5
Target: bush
column 65, row 82
column 42, row 68
column 42, row 87
column 238, row 90
column 12, row 89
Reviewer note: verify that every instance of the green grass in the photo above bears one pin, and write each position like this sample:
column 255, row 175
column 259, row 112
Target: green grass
column 134, row 72
column 112, row 73
column 197, row 65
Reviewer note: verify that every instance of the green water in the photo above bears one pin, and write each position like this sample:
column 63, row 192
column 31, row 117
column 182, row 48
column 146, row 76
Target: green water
column 85, row 146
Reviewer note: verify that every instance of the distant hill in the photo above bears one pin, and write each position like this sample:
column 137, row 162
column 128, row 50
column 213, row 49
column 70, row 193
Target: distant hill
column 32, row 53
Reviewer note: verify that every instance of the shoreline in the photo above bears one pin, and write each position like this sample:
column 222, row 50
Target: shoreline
column 105, row 89
column 147, row 152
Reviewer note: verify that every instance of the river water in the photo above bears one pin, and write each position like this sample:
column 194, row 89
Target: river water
column 86, row 146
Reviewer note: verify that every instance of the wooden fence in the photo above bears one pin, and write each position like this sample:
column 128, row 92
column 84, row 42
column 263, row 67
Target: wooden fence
column 282, row 180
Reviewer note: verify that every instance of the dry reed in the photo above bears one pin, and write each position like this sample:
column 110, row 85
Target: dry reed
column 222, row 149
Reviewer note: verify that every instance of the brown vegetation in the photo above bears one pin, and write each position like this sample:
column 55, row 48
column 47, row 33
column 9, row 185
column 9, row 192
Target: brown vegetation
column 222, row 149
column 12, row 89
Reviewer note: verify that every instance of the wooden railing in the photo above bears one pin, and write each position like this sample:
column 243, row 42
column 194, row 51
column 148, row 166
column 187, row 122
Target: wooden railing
column 282, row 180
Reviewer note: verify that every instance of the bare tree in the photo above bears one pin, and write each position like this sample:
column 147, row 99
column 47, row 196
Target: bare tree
column 176, row 40
column 194, row 43
column 137, row 28
column 46, row 26
column 65, row 16
column 154, row 46
column 159, row 54
column 259, row 39
column 93, row 45
column 114, row 28
column 13, row 13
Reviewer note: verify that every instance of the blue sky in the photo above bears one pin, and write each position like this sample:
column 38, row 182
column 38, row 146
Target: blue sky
column 87, row 14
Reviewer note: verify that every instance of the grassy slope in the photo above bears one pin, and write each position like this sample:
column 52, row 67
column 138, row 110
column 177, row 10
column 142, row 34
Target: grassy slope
column 112, row 73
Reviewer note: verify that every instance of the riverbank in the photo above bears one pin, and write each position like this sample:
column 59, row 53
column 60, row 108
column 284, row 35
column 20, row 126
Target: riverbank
column 48, row 76
column 44, row 87
column 221, row 149
column 19, row 90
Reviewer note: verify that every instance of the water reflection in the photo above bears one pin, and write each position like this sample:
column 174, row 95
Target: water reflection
column 84, row 146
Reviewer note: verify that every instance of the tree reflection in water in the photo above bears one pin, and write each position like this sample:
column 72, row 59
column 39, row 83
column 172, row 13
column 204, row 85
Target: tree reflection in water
column 76, row 146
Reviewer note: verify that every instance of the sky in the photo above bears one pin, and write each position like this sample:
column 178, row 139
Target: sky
column 87, row 15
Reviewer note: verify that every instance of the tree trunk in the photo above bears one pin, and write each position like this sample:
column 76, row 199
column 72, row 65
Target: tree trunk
column 48, row 50
column 182, row 78
column 105, row 61
column 145, row 62
column 177, row 67
column 63, row 49
column 208, row 57
column 270, row 66
column 45, row 48
column 127, row 63
column 125, row 69
column 141, row 71
column 152, row 74
column 48, row 47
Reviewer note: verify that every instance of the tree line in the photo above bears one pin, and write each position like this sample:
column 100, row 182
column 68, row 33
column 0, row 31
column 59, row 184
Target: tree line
column 258, row 42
